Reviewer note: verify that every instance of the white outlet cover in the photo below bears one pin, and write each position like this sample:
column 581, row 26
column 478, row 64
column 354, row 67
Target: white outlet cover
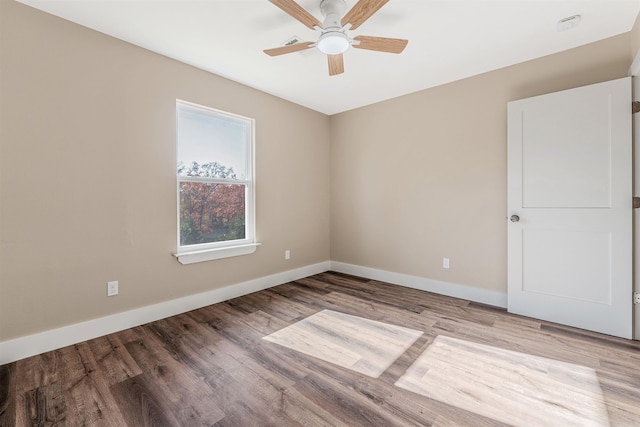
column 112, row 288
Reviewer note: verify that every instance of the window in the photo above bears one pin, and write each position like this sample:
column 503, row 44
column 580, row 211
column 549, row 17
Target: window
column 215, row 184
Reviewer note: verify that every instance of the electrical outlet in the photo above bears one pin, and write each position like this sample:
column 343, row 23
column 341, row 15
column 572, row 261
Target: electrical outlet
column 445, row 262
column 112, row 288
column 287, row 254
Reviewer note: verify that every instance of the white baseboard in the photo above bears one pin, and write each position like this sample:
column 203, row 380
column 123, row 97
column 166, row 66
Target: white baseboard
column 498, row 299
column 31, row 345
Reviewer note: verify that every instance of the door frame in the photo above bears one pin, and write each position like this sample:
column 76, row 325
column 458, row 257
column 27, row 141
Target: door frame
column 634, row 71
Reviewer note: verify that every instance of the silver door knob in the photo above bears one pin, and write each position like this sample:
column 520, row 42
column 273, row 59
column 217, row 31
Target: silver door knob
column 514, row 218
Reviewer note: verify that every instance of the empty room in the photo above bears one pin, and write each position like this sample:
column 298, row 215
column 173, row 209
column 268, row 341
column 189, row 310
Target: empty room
column 319, row 213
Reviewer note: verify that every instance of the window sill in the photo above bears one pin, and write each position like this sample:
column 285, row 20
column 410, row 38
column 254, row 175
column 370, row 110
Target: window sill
column 219, row 253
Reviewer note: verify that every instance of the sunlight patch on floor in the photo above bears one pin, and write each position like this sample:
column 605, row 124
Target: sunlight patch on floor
column 511, row 387
column 362, row 345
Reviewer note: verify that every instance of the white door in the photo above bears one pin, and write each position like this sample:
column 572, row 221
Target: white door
column 570, row 207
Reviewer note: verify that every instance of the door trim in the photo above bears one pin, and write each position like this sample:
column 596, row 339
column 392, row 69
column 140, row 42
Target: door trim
column 634, row 71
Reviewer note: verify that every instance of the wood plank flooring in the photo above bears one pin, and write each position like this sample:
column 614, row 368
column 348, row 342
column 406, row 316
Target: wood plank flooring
column 353, row 342
column 470, row 365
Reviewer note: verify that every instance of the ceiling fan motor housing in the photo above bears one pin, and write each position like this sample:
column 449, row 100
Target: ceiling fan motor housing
column 333, row 40
column 332, row 10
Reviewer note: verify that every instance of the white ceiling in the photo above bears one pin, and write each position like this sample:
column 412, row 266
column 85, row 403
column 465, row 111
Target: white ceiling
column 448, row 40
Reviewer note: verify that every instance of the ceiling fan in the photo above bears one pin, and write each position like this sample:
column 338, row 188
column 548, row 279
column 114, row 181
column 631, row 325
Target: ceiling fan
column 334, row 39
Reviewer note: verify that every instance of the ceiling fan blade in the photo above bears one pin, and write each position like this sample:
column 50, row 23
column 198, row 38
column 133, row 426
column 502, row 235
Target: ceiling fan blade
column 336, row 64
column 289, row 49
column 381, row 44
column 361, row 12
column 298, row 12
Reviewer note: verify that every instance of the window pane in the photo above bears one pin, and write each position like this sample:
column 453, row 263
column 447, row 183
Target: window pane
column 211, row 212
column 212, row 144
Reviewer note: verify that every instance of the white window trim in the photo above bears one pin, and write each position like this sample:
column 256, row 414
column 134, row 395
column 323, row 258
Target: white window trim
column 217, row 250
column 219, row 253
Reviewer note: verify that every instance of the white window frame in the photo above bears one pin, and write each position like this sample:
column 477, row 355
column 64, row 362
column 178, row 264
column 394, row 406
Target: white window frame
column 188, row 254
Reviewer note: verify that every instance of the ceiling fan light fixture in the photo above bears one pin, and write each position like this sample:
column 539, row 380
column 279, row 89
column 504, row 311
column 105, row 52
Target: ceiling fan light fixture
column 333, row 43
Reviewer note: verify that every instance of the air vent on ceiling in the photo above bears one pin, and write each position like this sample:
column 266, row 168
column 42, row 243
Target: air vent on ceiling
column 568, row 23
column 292, row 40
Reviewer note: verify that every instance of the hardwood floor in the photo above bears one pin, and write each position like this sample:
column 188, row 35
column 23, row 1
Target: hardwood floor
column 353, row 342
column 238, row 363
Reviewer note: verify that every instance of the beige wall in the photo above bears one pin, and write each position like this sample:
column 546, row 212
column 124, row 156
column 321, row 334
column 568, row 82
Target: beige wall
column 87, row 175
column 423, row 176
column 87, row 163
